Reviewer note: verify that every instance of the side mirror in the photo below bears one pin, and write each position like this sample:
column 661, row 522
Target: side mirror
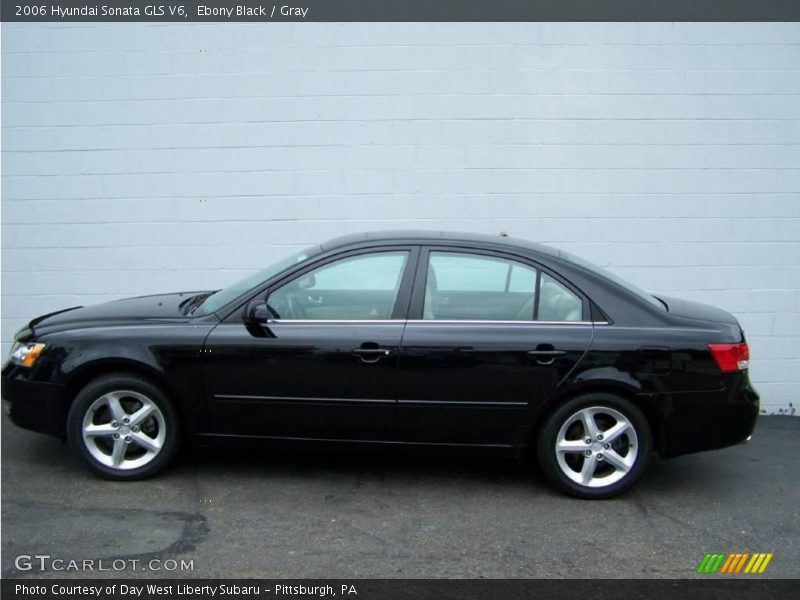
column 256, row 312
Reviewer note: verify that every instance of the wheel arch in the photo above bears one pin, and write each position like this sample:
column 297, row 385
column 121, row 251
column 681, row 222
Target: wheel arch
column 88, row 372
column 654, row 418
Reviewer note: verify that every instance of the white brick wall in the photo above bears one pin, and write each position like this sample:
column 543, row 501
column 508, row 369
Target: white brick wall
column 144, row 158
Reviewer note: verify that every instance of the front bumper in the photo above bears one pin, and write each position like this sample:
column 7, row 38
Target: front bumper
column 34, row 405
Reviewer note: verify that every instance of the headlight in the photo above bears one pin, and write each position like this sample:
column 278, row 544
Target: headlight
column 14, row 347
column 25, row 354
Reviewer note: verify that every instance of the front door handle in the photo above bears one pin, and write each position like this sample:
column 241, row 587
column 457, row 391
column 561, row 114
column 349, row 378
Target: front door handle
column 546, row 354
column 371, row 355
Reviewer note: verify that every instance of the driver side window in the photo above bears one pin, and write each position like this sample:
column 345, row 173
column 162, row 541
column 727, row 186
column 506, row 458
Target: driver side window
column 362, row 287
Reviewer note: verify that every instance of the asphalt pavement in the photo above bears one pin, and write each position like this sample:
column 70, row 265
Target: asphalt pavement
column 279, row 514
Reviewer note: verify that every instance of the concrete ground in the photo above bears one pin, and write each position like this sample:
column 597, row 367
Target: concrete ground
column 275, row 514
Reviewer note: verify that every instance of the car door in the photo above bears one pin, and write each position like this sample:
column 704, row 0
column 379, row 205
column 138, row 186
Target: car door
column 323, row 365
column 489, row 335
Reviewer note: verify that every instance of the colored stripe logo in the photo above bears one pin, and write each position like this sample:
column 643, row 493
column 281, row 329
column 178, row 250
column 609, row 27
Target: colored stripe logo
column 734, row 563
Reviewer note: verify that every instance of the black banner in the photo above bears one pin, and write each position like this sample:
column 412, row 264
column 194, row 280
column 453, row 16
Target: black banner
column 714, row 588
column 400, row 10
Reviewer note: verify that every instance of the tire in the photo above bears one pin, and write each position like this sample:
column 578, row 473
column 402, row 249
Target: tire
column 616, row 463
column 115, row 449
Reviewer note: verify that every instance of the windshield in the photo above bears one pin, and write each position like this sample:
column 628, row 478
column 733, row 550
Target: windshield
column 615, row 278
column 222, row 297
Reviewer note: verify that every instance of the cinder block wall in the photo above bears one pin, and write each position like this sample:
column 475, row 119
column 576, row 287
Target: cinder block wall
column 145, row 158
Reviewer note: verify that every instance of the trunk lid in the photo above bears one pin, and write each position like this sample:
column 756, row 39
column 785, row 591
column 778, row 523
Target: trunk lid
column 698, row 311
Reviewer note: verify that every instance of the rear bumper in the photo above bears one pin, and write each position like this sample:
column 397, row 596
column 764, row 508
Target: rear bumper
column 711, row 420
column 33, row 405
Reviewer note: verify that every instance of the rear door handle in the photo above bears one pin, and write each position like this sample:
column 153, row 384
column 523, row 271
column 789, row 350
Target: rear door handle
column 545, row 354
column 371, row 355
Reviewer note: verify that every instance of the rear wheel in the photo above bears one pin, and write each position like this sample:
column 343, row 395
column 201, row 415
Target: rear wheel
column 122, row 427
column 595, row 446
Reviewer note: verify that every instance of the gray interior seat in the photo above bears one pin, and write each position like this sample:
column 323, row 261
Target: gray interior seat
column 557, row 304
column 430, row 288
column 526, row 312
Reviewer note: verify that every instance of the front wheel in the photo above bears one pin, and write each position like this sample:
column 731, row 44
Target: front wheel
column 595, row 446
column 122, row 427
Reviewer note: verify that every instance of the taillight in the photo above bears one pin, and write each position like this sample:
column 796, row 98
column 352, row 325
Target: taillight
column 730, row 358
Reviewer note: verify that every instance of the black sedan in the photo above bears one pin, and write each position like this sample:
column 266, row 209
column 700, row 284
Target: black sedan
column 403, row 339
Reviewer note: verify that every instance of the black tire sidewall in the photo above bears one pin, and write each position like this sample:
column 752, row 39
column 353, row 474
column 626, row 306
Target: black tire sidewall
column 546, row 453
column 107, row 383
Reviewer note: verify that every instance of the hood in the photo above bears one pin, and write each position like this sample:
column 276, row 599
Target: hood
column 125, row 311
column 698, row 311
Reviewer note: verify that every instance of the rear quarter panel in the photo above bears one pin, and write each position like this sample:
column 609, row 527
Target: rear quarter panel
column 670, row 374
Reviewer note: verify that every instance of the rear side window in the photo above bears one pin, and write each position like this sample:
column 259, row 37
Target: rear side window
column 557, row 302
column 463, row 286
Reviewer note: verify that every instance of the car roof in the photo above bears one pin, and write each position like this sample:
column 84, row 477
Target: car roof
column 437, row 237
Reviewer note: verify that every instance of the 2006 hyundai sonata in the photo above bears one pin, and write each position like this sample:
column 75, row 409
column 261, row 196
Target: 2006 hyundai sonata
column 412, row 339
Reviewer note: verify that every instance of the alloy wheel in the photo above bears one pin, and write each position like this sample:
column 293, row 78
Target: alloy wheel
column 596, row 446
column 124, row 429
